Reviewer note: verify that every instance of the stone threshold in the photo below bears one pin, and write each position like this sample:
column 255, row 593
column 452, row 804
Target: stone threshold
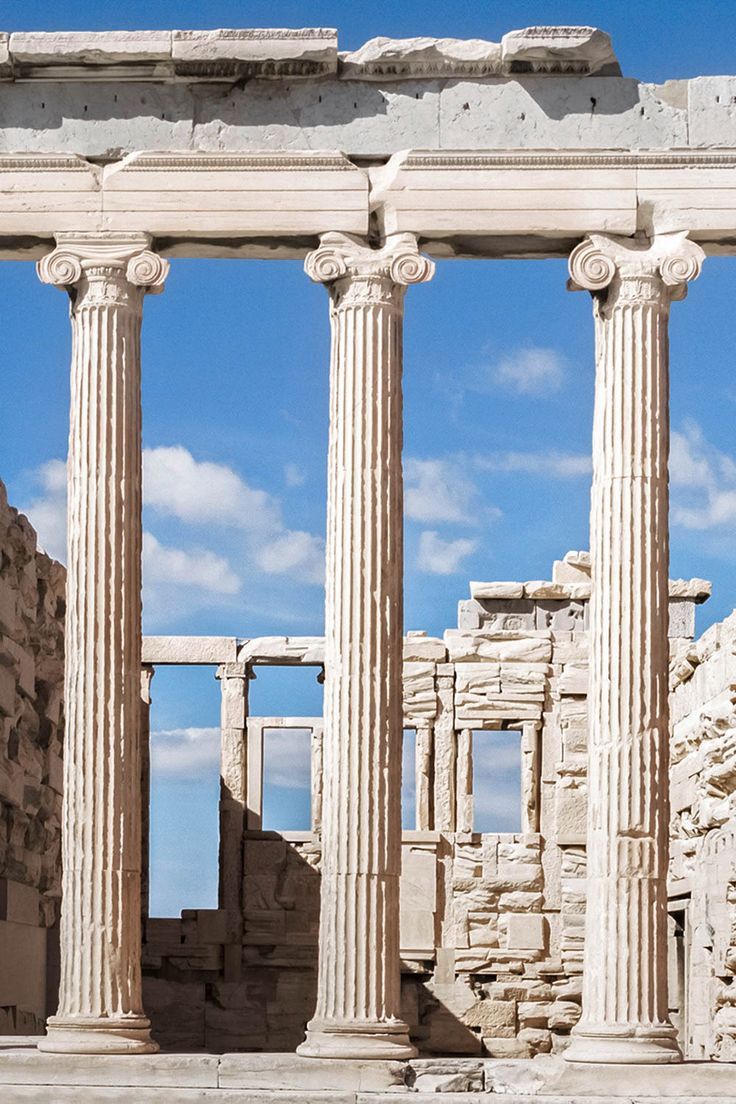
column 28, row 1075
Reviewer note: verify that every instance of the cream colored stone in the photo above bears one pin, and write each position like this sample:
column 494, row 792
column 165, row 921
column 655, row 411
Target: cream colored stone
column 33, row 48
column 697, row 589
column 545, row 49
column 232, row 196
column 189, row 649
column 264, row 53
column 100, row 1002
column 397, row 58
column 526, row 932
column 361, row 833
column 625, row 1013
column 538, row 588
column 485, row 591
column 282, row 649
column 497, row 647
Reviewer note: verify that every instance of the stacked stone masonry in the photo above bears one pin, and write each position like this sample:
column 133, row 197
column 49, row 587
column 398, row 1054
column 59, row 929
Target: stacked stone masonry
column 31, row 742
column 492, row 925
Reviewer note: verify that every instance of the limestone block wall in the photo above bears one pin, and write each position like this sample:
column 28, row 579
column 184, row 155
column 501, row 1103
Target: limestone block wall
column 703, row 861
column 31, row 734
column 491, row 923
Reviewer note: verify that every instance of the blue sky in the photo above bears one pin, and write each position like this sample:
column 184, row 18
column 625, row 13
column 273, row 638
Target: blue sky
column 498, row 409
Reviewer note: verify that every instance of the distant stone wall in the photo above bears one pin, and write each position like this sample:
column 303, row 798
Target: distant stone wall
column 703, row 860
column 492, row 924
column 31, row 733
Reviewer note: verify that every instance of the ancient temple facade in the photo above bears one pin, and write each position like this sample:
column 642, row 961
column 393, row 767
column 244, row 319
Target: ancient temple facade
column 376, row 167
column 491, row 924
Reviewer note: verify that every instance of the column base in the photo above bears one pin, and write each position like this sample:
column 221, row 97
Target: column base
column 98, row 1035
column 641, row 1044
column 386, row 1040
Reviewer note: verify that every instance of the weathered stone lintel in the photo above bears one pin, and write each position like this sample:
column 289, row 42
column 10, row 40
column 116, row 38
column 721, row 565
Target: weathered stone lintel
column 288, row 53
column 696, row 590
column 161, row 55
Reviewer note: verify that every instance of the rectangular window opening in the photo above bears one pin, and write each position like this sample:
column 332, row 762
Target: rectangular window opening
column 408, row 781
column 285, row 710
column 184, row 790
column 497, row 793
column 287, row 779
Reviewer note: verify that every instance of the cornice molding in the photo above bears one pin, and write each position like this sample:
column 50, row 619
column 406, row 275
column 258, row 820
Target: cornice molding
column 568, row 159
column 302, row 161
column 336, row 161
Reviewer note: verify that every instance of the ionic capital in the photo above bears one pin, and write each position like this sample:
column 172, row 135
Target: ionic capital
column 343, row 261
column 629, row 268
column 112, row 256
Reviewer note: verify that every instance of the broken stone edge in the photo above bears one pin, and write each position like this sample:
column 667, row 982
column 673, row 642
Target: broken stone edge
column 695, row 590
column 247, row 53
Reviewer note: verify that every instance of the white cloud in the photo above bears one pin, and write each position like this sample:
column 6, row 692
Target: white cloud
column 202, row 493
column 703, row 481
column 47, row 513
column 185, row 752
column 532, row 371
column 294, row 552
column 287, row 758
column 552, row 464
column 294, row 476
column 437, row 491
column 442, row 557
column 190, row 752
column 196, row 493
column 163, row 565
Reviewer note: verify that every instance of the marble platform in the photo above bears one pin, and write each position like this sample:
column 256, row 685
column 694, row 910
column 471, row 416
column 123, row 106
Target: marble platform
column 27, row 1075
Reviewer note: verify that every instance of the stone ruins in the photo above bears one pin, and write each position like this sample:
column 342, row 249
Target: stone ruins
column 587, row 953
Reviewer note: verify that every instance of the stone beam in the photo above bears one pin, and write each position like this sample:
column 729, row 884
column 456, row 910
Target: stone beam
column 487, row 204
column 214, row 55
column 518, row 202
column 185, row 196
column 197, row 650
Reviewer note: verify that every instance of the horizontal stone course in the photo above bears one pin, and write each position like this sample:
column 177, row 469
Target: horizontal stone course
column 305, row 52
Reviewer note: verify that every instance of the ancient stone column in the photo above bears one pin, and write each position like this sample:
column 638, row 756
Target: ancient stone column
column 147, row 673
column 100, row 1002
column 359, row 970
column 233, row 679
column 625, row 1015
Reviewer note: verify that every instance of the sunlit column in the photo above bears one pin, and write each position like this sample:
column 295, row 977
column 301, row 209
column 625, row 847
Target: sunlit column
column 359, row 969
column 100, row 1002
column 147, row 673
column 233, row 679
column 625, row 1017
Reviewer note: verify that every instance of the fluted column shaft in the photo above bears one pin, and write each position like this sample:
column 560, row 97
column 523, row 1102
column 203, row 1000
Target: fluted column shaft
column 625, row 1015
column 358, row 1000
column 100, row 1000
